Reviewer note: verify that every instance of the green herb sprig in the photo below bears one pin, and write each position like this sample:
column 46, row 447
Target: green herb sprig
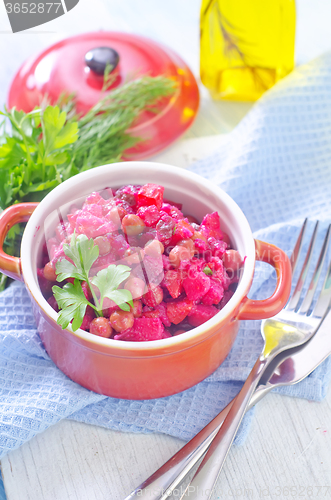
column 71, row 299
column 33, row 157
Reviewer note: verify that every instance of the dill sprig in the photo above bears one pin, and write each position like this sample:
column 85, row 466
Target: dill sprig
column 103, row 131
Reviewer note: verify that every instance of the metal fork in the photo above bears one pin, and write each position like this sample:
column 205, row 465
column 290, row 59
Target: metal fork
column 164, row 480
column 293, row 326
column 288, row 368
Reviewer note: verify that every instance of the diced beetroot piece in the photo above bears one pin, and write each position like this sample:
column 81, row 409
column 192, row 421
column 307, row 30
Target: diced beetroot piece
column 150, row 215
column 153, row 297
column 93, row 226
column 196, row 265
column 211, row 227
column 212, row 220
column 216, row 264
column 118, row 243
column 104, row 261
column 128, row 194
column 218, row 247
column 165, row 228
column 63, row 230
column 214, row 294
column 148, row 235
column 182, row 231
column 162, row 309
column 87, row 291
column 166, row 334
column 173, row 281
column 196, row 286
column 149, row 312
column 94, row 199
column 173, row 203
column 88, row 318
column 201, row 246
column 143, row 329
column 201, row 313
column 72, row 219
column 150, row 194
column 124, row 206
column 115, row 216
column 53, row 303
column 159, row 311
column 178, row 310
column 172, row 210
column 166, row 262
column 150, row 271
column 108, row 205
column 93, row 209
column 58, row 254
column 217, row 267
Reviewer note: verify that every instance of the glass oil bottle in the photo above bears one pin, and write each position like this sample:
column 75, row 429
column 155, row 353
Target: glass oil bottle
column 246, row 46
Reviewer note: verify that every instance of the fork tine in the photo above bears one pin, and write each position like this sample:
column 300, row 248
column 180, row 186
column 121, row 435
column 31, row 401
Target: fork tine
column 323, row 301
column 304, row 308
column 297, row 249
column 301, row 281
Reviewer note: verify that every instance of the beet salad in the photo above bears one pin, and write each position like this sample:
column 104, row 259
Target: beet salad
column 128, row 264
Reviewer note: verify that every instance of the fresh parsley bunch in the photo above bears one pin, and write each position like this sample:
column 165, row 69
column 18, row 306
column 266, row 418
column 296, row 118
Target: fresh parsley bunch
column 82, row 253
column 35, row 156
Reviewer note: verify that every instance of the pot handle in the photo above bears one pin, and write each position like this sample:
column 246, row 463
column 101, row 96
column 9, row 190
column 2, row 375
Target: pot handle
column 11, row 266
column 260, row 309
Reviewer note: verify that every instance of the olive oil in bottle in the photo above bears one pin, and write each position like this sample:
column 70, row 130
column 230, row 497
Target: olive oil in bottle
column 246, row 46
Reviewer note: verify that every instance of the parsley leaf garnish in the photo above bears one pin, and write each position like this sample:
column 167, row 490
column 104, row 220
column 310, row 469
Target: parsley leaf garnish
column 82, row 253
column 72, row 302
column 108, row 280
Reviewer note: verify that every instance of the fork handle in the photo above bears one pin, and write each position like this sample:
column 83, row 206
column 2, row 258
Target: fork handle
column 164, row 480
column 203, row 482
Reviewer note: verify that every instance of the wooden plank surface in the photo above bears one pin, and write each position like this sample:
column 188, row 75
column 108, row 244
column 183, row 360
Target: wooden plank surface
column 286, row 455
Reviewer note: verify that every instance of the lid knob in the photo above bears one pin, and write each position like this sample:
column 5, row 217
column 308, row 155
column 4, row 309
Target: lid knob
column 97, row 59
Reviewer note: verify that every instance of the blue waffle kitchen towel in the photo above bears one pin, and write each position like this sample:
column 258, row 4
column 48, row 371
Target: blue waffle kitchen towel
column 277, row 166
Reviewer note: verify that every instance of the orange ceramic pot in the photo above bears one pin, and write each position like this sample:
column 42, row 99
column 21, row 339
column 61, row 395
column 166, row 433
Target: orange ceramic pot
column 143, row 370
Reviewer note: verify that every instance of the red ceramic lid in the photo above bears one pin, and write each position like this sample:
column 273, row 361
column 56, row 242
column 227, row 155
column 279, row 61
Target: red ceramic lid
column 76, row 65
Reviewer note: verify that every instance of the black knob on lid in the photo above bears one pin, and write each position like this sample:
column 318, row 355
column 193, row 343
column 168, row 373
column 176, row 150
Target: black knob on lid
column 97, row 59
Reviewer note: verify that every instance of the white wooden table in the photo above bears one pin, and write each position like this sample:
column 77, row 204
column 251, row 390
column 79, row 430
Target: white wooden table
column 287, row 453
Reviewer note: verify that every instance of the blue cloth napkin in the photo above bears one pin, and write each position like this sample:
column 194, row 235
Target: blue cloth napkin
column 277, row 166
